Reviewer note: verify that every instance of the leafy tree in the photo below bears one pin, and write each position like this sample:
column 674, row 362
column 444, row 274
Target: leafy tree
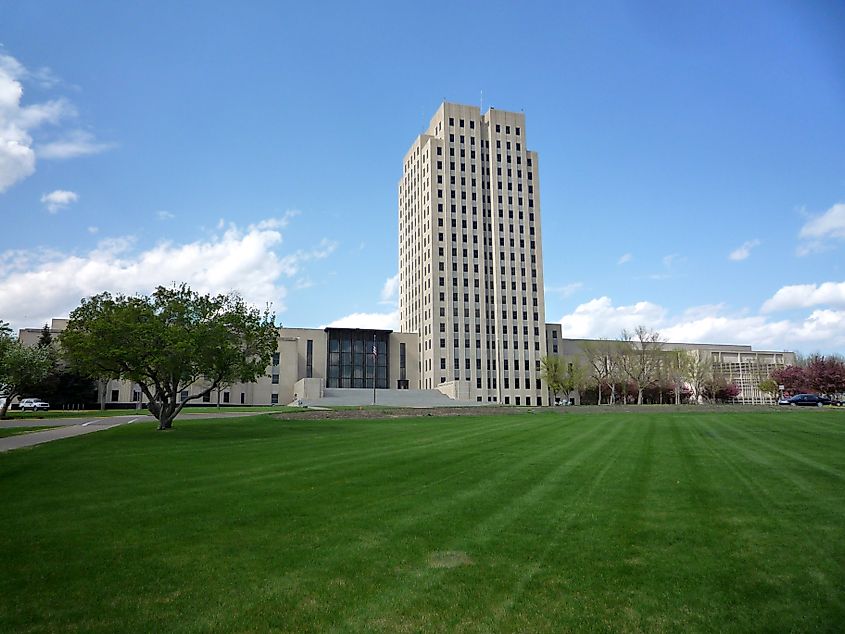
column 792, row 377
column 640, row 358
column 21, row 369
column 770, row 387
column 552, row 373
column 170, row 341
column 65, row 386
column 825, row 375
column 727, row 392
column 46, row 338
column 574, row 377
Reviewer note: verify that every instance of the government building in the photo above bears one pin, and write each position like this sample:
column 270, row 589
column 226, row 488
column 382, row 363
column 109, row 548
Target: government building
column 471, row 306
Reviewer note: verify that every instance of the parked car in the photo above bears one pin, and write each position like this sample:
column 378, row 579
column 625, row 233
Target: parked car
column 34, row 405
column 808, row 400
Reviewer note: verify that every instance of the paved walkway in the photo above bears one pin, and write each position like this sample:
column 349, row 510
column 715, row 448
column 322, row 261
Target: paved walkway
column 70, row 427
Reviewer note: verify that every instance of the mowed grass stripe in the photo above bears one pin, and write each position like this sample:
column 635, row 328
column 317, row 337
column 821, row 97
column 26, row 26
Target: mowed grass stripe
column 191, row 448
column 807, row 479
column 190, row 502
column 499, row 503
column 758, row 510
column 400, row 526
column 650, row 521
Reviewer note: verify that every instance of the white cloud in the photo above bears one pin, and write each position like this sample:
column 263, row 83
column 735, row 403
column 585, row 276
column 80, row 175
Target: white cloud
column 600, row 318
column 165, row 215
column 92, row 230
column 822, row 231
column 377, row 321
column 18, row 122
column 57, row 200
column 829, row 224
column 733, row 329
column 805, row 296
column 743, row 251
column 625, row 258
column 74, row 143
column 36, row 285
column 669, row 262
column 671, row 259
column 292, row 264
column 390, row 290
column 564, row 291
column 821, row 329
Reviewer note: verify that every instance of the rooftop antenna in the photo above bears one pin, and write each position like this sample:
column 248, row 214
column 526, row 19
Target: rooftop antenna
column 481, row 105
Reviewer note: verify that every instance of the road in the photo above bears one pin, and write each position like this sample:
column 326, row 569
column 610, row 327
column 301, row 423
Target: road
column 70, row 427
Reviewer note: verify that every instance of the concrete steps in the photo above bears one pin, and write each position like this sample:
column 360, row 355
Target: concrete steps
column 392, row 398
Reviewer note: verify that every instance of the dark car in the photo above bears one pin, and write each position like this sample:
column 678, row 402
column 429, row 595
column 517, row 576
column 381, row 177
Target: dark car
column 809, row 400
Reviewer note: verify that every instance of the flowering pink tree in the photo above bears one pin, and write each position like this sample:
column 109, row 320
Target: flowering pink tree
column 825, row 374
column 793, row 378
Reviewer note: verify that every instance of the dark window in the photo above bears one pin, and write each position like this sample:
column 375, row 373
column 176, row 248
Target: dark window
column 309, row 358
column 275, row 358
column 115, row 395
column 402, row 361
column 351, row 361
column 274, row 399
column 225, row 397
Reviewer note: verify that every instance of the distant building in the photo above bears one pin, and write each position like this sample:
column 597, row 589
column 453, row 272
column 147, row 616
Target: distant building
column 470, row 256
column 472, row 312
column 738, row 364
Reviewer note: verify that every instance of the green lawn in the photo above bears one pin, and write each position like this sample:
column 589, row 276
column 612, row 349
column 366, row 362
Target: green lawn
column 15, row 414
column 210, row 409
column 96, row 413
column 556, row 521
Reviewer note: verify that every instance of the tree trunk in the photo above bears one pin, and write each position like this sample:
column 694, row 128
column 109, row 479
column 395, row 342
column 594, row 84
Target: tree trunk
column 166, row 414
column 6, row 405
column 639, row 396
column 103, row 387
column 598, row 389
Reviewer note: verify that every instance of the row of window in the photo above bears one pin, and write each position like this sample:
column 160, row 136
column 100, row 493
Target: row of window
column 491, row 345
column 472, row 126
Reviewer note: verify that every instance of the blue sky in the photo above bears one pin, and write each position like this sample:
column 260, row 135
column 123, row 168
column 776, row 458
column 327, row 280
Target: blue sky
column 257, row 146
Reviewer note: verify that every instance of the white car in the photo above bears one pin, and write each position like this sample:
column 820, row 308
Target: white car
column 34, row 405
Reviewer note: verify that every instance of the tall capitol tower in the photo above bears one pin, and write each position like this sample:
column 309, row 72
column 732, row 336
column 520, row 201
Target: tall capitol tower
column 471, row 258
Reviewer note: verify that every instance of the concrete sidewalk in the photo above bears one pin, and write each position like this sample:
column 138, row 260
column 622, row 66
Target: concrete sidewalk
column 70, row 427
column 66, row 430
